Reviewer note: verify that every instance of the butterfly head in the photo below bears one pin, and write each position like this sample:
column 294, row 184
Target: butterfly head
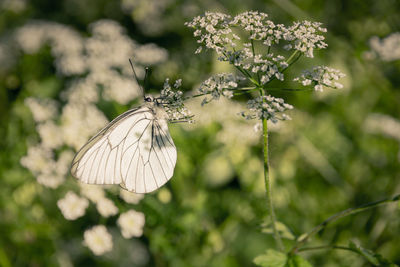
column 148, row 99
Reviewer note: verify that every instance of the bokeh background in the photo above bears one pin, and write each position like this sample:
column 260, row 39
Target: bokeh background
column 64, row 72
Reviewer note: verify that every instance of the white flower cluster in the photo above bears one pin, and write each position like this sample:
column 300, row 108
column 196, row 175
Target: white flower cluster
column 172, row 99
column 104, row 56
column 387, row 49
column 66, row 44
column 259, row 27
column 98, row 239
column 42, row 109
column 131, row 223
column 305, row 36
column 40, row 160
column 214, row 31
column 267, row 107
column 96, row 194
column 217, row 85
column 72, row 206
column 321, row 76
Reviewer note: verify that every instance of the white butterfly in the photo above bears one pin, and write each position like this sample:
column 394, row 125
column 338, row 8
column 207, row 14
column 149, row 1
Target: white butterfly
column 135, row 150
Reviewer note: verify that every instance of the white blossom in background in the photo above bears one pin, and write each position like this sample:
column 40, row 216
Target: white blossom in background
column 72, row 206
column 50, row 134
column 234, row 130
column 150, row 54
column 267, row 107
column 106, row 207
column 42, row 109
column 131, row 223
column 37, row 159
column 383, row 124
column 98, row 239
column 321, row 76
column 51, row 180
column 94, row 193
column 130, row 197
column 48, row 171
column 388, row 48
column 66, row 44
column 79, row 122
column 148, row 14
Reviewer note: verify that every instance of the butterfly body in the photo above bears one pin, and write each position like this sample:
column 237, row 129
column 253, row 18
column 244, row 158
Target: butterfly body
column 135, row 150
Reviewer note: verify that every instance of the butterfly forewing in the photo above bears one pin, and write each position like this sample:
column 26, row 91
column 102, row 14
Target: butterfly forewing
column 135, row 150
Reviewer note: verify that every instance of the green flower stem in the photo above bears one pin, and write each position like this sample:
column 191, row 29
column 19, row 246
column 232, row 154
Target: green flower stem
column 290, row 89
column 241, row 89
column 296, row 55
column 254, row 54
column 267, row 180
column 327, row 247
column 300, row 242
column 293, row 58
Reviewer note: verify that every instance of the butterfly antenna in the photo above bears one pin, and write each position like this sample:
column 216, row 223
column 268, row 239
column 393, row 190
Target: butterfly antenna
column 146, row 77
column 135, row 76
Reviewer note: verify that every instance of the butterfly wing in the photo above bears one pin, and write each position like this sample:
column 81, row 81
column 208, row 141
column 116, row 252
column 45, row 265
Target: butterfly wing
column 134, row 150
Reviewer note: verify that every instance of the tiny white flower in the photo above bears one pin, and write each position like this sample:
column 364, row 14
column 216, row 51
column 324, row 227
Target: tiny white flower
column 94, row 193
column 106, row 207
column 388, row 48
column 129, row 197
column 72, row 206
column 98, row 239
column 131, row 223
column 258, row 127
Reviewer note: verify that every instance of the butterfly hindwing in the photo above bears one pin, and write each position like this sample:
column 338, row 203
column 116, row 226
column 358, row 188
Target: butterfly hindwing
column 135, row 150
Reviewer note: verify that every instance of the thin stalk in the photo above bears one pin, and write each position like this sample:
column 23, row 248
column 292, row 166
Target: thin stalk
column 327, row 247
column 338, row 216
column 293, row 57
column 254, row 54
column 289, row 89
column 242, row 89
column 291, row 60
column 267, row 180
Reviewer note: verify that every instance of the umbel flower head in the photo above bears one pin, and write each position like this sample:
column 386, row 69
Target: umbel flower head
column 261, row 51
column 173, row 99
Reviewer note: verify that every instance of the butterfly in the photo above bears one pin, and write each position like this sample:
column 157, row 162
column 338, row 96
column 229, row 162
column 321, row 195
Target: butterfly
column 135, row 150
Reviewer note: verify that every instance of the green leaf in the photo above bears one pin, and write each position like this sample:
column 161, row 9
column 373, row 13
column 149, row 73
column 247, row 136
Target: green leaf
column 297, row 261
column 283, row 230
column 271, row 258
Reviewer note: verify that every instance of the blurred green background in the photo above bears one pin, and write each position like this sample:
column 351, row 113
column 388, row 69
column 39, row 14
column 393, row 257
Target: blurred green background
column 340, row 150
